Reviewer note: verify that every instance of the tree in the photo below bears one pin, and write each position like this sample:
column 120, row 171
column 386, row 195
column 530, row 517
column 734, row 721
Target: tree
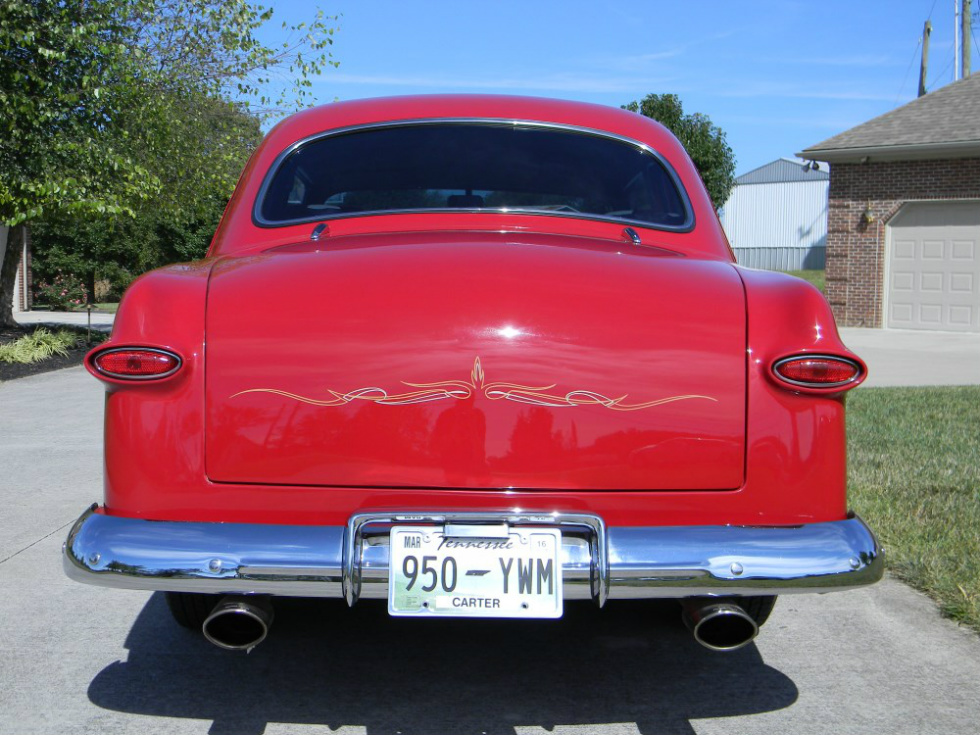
column 705, row 142
column 108, row 105
column 200, row 156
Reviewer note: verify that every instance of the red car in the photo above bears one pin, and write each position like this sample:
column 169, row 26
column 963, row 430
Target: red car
column 478, row 356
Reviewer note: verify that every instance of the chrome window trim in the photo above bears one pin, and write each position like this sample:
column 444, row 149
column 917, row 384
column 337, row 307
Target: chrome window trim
column 260, row 221
column 130, row 348
column 822, row 356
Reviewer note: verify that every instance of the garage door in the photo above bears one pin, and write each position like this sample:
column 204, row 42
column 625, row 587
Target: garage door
column 934, row 267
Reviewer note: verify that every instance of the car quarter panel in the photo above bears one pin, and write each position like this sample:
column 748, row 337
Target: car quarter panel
column 796, row 442
column 154, row 432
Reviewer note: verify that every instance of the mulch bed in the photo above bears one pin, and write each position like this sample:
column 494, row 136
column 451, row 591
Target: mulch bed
column 12, row 370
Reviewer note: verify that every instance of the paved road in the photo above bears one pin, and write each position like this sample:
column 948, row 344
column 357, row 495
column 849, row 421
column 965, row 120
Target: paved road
column 99, row 320
column 78, row 659
column 916, row 357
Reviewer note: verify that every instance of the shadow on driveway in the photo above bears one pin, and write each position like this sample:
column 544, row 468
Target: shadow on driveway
column 326, row 664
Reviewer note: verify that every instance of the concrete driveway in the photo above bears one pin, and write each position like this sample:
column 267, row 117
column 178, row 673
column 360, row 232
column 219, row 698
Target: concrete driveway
column 916, row 357
column 79, row 659
column 98, row 320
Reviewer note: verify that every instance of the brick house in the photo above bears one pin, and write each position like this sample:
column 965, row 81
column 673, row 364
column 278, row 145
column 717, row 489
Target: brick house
column 903, row 231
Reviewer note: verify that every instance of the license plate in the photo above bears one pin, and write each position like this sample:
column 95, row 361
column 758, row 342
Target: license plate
column 515, row 573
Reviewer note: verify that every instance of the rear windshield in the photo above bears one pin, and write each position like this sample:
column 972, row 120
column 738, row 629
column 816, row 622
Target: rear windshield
column 472, row 166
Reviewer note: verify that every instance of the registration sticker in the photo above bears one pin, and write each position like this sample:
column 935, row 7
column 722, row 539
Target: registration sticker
column 515, row 574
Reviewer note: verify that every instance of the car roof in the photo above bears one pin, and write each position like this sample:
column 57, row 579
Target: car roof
column 473, row 106
column 239, row 234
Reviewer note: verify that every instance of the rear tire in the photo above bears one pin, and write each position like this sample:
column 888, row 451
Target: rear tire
column 758, row 608
column 191, row 609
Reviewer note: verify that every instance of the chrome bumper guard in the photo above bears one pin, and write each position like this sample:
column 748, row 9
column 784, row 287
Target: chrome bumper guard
column 351, row 561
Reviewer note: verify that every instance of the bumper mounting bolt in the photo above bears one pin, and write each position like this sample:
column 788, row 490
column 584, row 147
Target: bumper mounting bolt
column 215, row 565
column 737, row 568
column 94, row 557
column 855, row 562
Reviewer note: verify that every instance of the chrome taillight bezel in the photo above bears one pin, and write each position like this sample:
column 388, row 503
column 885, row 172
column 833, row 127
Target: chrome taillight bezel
column 121, row 377
column 859, row 375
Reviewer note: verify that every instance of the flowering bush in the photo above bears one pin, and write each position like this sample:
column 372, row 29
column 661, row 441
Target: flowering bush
column 65, row 292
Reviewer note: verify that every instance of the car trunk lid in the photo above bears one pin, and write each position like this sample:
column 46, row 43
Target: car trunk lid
column 476, row 361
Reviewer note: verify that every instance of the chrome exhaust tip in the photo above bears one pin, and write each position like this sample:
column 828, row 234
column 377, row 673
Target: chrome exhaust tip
column 239, row 622
column 719, row 624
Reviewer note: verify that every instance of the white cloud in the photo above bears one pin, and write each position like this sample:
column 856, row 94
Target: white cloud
column 801, row 122
column 567, row 82
column 637, row 62
column 858, row 60
column 792, row 91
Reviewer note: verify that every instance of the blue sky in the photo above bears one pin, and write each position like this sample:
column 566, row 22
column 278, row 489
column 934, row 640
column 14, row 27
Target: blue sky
column 775, row 76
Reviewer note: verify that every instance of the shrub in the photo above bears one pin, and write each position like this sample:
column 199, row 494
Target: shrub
column 39, row 345
column 65, row 292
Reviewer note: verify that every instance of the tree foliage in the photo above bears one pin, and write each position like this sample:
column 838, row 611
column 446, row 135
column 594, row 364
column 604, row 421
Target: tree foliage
column 115, row 250
column 144, row 109
column 704, row 141
column 64, row 75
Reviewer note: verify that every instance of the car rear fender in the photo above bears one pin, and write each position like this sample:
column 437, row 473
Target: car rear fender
column 155, row 429
column 796, row 441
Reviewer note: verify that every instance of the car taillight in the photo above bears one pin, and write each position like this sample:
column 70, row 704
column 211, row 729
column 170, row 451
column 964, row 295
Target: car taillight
column 818, row 371
column 136, row 363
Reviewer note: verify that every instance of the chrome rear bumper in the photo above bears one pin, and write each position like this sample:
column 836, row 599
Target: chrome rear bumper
column 351, row 561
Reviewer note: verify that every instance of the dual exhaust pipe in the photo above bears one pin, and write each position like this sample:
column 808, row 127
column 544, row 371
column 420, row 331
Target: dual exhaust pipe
column 718, row 623
column 241, row 622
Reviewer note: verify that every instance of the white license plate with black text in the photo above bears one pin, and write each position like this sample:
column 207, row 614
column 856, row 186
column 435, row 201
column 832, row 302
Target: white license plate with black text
column 515, row 573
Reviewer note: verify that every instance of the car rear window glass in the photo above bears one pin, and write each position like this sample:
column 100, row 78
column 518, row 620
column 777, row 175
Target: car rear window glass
column 472, row 166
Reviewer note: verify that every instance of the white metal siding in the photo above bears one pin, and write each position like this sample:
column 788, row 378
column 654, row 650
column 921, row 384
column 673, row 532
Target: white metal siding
column 782, row 259
column 787, row 216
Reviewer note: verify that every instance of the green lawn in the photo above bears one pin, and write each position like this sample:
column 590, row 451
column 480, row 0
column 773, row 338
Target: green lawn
column 817, row 278
column 914, row 475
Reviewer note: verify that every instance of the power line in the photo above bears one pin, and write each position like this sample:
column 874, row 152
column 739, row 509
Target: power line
column 973, row 32
column 907, row 70
column 918, row 45
column 939, row 76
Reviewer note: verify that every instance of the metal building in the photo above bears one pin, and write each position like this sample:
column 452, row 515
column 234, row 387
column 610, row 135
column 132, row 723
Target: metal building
column 776, row 216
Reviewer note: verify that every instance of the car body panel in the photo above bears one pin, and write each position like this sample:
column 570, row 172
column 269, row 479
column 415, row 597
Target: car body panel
column 795, row 444
column 440, row 360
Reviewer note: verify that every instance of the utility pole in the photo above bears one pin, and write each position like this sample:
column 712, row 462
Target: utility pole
column 965, row 17
column 926, row 32
column 956, row 40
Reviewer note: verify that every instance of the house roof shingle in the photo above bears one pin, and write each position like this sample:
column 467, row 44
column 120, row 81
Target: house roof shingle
column 941, row 124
